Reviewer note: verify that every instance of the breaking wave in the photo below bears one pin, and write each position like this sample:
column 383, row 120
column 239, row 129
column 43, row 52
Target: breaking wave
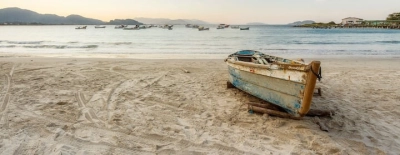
column 121, row 43
column 24, row 42
column 390, row 42
column 7, row 46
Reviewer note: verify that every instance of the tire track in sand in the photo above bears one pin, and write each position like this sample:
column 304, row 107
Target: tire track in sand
column 110, row 105
column 6, row 99
column 86, row 112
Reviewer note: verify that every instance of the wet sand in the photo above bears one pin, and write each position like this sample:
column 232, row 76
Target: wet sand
column 139, row 106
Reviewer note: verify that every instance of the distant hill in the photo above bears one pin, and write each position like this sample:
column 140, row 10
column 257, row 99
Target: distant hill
column 17, row 15
column 124, row 22
column 256, row 23
column 170, row 21
column 302, row 22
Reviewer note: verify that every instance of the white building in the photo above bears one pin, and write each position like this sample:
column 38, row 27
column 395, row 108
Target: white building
column 352, row 21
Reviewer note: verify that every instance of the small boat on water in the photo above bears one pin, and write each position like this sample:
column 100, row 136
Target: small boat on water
column 99, row 27
column 223, row 25
column 203, row 28
column 169, row 27
column 245, row 28
column 120, row 26
column 132, row 28
column 81, row 27
column 284, row 82
column 142, row 27
column 149, row 26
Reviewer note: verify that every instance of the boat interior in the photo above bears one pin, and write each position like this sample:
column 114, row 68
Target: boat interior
column 260, row 58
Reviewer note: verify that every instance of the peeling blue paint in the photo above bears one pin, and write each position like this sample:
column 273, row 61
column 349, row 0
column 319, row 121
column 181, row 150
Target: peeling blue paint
column 297, row 105
column 260, row 86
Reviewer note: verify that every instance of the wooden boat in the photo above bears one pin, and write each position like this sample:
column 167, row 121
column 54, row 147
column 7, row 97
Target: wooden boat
column 245, row 28
column 286, row 83
column 99, row 27
column 81, row 27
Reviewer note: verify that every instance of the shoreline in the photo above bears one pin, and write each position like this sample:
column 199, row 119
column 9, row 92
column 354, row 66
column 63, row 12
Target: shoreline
column 182, row 56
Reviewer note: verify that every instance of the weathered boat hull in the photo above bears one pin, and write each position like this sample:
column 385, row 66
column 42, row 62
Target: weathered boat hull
column 279, row 92
column 288, row 86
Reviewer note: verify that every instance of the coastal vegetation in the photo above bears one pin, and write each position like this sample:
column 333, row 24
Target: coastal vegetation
column 394, row 16
column 318, row 25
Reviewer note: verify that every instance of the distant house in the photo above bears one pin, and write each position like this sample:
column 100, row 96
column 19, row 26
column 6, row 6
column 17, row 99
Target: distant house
column 352, row 21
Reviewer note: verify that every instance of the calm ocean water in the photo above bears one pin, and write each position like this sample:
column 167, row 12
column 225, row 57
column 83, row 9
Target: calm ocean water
column 268, row 39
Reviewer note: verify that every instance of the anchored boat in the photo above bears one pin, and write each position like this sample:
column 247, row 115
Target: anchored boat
column 81, row 27
column 120, row 26
column 286, row 83
column 203, row 28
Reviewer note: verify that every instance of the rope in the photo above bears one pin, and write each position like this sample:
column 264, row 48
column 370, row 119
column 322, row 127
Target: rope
column 319, row 75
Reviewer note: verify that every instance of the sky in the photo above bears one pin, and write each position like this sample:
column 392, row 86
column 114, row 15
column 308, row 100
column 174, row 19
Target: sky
column 215, row 11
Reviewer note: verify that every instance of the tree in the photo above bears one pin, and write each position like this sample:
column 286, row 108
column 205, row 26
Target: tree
column 394, row 16
column 332, row 23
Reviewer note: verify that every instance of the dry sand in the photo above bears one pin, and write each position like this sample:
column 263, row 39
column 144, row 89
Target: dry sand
column 130, row 106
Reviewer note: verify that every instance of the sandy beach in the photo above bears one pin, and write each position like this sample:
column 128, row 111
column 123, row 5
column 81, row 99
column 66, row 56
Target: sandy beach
column 142, row 106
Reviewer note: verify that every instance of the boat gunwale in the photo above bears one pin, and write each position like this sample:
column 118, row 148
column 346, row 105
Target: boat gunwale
column 229, row 64
column 281, row 66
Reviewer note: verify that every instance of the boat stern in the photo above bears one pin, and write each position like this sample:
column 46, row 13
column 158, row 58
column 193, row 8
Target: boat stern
column 312, row 75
